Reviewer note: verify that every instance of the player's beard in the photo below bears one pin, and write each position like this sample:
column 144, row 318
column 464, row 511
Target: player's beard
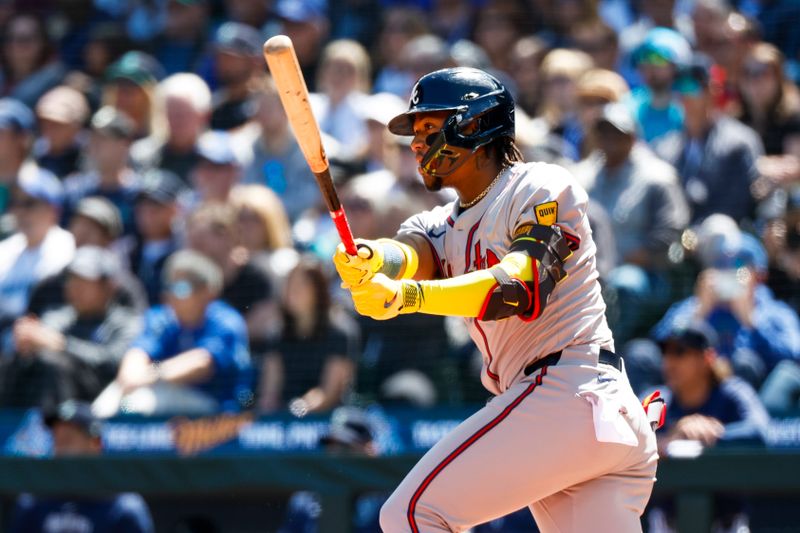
column 432, row 183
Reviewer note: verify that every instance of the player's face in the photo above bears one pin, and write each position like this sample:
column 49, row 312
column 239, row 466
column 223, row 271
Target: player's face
column 426, row 126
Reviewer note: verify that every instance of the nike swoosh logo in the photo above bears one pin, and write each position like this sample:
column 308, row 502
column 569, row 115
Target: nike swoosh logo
column 605, row 380
column 387, row 305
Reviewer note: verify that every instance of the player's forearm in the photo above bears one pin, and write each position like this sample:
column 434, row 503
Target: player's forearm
column 467, row 295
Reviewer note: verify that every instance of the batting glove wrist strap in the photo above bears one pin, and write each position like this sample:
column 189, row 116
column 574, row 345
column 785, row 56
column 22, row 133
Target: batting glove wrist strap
column 400, row 261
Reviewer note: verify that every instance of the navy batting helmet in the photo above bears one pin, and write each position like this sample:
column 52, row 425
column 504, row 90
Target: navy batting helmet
column 470, row 94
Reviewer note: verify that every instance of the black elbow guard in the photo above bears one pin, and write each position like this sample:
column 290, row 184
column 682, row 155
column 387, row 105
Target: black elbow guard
column 548, row 249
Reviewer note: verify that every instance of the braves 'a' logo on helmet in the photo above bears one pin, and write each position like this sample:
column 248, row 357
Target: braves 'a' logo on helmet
column 416, row 95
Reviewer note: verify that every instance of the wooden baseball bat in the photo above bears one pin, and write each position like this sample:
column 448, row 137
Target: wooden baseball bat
column 282, row 60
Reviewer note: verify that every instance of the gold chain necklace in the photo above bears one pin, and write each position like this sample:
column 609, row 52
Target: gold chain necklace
column 478, row 198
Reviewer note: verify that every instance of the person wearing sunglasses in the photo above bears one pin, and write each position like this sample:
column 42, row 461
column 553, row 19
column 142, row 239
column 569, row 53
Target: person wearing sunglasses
column 192, row 356
column 715, row 154
column 707, row 406
column 657, row 60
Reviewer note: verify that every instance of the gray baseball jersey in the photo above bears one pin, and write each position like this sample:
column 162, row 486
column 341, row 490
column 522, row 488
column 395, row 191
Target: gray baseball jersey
column 478, row 238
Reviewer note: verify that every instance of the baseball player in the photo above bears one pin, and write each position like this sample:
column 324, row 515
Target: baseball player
column 514, row 256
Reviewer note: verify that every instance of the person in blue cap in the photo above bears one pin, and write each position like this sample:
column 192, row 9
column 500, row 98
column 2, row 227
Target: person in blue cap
column 77, row 432
column 39, row 248
column 658, row 60
column 707, row 407
column 753, row 329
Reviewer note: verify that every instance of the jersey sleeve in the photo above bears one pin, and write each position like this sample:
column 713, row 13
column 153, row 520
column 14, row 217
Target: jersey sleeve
column 547, row 195
column 432, row 225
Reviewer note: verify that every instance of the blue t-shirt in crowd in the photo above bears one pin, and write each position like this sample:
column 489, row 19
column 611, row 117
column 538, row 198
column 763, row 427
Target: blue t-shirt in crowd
column 223, row 333
column 733, row 402
column 122, row 513
column 654, row 122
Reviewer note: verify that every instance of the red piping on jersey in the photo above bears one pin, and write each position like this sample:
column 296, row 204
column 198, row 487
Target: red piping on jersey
column 535, row 296
column 574, row 242
column 472, row 231
column 486, row 301
column 488, row 352
column 450, row 220
column 412, row 506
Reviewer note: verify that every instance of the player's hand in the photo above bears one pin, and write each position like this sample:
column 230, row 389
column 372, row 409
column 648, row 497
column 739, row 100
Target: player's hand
column 355, row 270
column 381, row 298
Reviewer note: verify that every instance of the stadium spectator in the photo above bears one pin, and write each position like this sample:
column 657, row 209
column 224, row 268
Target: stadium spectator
column 17, row 124
column 500, row 24
column 648, row 213
column 599, row 40
column 770, row 101
column 218, row 168
column 423, row 54
column 29, row 66
column 156, row 211
column 561, row 68
column 237, row 61
column 275, row 160
column 401, row 23
column 352, row 433
column 452, row 20
column 183, row 39
column 706, row 405
column 771, row 106
column 781, row 237
column 263, row 230
column 309, row 368
column 76, row 432
column 130, row 87
column 212, row 230
column 754, row 330
column 526, row 59
column 39, row 248
column 708, row 21
column 663, row 14
column 192, row 356
column 306, row 23
column 62, row 114
column 715, row 155
column 377, row 111
column 254, row 13
column 187, row 105
column 658, row 59
column 776, row 19
column 343, row 81
column 596, row 88
column 72, row 351
column 109, row 174
column 96, row 223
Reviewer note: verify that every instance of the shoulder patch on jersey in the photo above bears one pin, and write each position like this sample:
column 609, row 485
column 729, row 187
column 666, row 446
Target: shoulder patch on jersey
column 547, row 213
column 525, row 228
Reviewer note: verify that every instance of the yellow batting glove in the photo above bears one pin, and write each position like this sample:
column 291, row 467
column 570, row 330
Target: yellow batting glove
column 356, row 270
column 382, row 298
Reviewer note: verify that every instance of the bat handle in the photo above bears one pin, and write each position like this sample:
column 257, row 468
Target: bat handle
column 343, row 228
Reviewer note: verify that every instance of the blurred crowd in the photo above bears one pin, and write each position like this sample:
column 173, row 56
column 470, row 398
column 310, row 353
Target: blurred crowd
column 165, row 248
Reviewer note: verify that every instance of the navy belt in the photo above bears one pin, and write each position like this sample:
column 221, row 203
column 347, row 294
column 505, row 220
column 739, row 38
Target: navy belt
column 606, row 358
